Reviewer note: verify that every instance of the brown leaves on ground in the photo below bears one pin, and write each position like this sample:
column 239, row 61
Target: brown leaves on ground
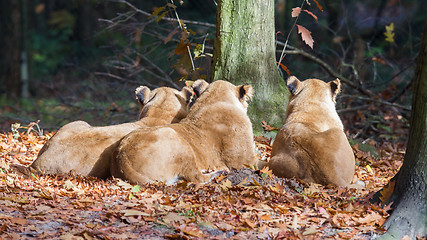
column 240, row 204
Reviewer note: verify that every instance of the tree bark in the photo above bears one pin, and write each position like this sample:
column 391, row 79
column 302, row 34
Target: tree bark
column 25, row 78
column 244, row 52
column 409, row 216
column 10, row 48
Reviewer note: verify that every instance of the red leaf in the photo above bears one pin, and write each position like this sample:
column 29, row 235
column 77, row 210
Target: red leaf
column 296, row 11
column 305, row 35
column 181, row 48
column 285, row 69
column 169, row 37
column 279, row 32
column 314, row 16
column 264, row 124
column 318, row 5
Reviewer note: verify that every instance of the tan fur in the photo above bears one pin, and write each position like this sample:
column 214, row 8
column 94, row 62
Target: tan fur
column 312, row 145
column 87, row 149
column 215, row 135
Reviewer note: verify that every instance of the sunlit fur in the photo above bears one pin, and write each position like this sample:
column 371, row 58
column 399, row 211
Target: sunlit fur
column 312, row 145
column 215, row 135
column 86, row 150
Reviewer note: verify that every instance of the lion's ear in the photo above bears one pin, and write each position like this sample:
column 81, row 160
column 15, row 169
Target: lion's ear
column 245, row 92
column 142, row 93
column 188, row 94
column 294, row 85
column 335, row 88
column 199, row 86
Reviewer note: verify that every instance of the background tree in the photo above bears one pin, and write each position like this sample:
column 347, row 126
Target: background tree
column 409, row 195
column 85, row 69
column 244, row 52
column 10, row 46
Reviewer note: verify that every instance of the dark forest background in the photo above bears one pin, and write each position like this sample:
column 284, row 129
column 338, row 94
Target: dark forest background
column 63, row 61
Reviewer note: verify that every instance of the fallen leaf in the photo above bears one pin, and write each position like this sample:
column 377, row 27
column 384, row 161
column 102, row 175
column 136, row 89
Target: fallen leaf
column 387, row 191
column 192, row 231
column 19, row 221
column 265, row 217
column 309, row 231
column 124, row 185
column 266, row 171
column 131, row 212
column 250, row 223
column 70, row 236
column 314, row 188
column 174, row 217
column 294, row 224
column 69, row 185
column 369, row 169
column 225, row 185
column 224, row 226
column 370, row 218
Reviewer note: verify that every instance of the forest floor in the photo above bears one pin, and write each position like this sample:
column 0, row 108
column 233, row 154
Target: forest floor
column 244, row 204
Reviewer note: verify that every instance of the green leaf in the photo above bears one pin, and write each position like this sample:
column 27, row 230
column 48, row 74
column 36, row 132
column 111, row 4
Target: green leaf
column 136, row 189
column 161, row 16
column 171, row 5
column 389, row 33
column 156, row 12
column 198, row 50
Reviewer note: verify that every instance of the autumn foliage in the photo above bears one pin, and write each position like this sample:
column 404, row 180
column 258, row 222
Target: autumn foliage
column 240, row 204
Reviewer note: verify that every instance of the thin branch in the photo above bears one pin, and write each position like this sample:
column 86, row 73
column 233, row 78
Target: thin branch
column 328, row 68
column 397, row 96
column 380, row 101
column 166, row 78
column 183, row 28
column 325, row 66
column 210, row 25
column 345, row 110
column 124, row 80
column 283, row 54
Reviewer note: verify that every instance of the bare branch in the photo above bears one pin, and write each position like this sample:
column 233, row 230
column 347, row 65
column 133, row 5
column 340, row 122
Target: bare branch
column 210, row 25
column 370, row 96
column 283, row 54
column 380, row 101
column 324, row 65
column 166, row 78
column 345, row 110
column 124, row 80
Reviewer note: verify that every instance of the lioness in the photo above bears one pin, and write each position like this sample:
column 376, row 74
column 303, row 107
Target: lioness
column 312, row 145
column 87, row 149
column 215, row 135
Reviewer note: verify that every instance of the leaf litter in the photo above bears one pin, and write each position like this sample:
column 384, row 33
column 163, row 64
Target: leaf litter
column 246, row 203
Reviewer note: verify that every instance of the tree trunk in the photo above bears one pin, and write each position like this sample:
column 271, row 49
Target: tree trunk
column 244, row 52
column 409, row 216
column 10, row 48
column 25, row 80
